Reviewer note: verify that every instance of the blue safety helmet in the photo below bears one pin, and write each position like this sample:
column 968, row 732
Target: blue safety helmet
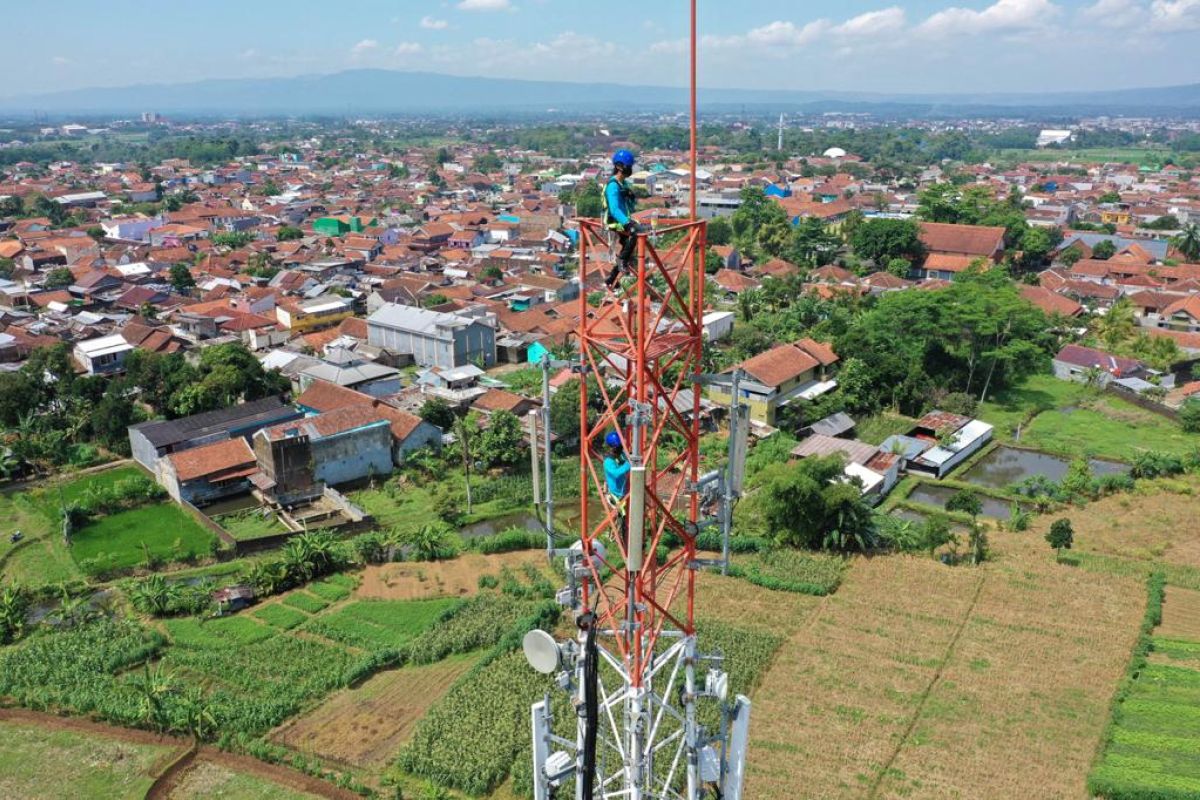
column 613, row 439
column 624, row 159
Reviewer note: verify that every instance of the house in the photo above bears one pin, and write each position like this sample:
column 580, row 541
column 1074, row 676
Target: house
column 432, row 338
column 973, row 241
column 718, row 325
column 1182, row 315
column 310, row 315
column 299, row 459
column 208, row 473
column 800, row 370
column 1085, row 364
column 409, row 432
column 149, row 441
column 939, row 442
column 103, row 356
column 1050, row 302
column 494, row 400
column 348, row 369
column 877, row 477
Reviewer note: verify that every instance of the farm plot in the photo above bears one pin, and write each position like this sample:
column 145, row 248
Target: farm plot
column 366, row 726
column 456, row 578
column 373, row 624
column 1181, row 615
column 1155, row 737
column 917, row 681
column 40, row 762
column 122, row 540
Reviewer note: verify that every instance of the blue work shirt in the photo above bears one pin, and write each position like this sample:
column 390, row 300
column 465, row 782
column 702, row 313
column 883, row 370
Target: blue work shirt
column 616, row 475
column 618, row 200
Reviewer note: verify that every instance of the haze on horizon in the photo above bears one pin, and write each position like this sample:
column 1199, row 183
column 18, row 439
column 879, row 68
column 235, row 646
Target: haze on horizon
column 845, row 45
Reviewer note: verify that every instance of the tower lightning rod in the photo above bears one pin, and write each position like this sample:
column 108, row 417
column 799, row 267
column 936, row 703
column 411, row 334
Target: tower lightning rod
column 692, row 192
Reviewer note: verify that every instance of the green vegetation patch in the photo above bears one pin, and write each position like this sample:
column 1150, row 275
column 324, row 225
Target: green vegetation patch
column 330, row 590
column 251, row 524
column 308, row 603
column 122, row 540
column 790, row 570
column 216, row 633
column 36, row 762
column 280, row 616
column 372, row 624
column 1153, row 746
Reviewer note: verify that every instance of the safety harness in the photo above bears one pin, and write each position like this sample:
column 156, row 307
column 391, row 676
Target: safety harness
column 628, row 202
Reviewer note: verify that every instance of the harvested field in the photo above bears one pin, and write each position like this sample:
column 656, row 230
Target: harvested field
column 926, row 681
column 1158, row 522
column 1181, row 614
column 456, row 578
column 365, row 727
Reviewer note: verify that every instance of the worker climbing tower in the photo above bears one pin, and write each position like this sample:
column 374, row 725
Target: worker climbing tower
column 649, row 715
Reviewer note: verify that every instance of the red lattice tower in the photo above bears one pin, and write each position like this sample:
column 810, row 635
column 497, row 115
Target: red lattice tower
column 644, row 346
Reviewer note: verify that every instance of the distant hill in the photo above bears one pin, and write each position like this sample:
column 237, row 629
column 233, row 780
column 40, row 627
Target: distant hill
column 385, row 91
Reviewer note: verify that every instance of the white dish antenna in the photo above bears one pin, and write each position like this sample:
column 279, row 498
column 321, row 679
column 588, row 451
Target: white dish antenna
column 542, row 652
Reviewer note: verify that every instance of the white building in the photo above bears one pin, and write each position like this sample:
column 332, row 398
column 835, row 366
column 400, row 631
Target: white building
column 104, row 355
column 1048, row 137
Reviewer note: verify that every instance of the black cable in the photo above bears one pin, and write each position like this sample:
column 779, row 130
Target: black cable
column 591, row 703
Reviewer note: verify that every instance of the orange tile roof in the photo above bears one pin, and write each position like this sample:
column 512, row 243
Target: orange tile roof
column 209, row 460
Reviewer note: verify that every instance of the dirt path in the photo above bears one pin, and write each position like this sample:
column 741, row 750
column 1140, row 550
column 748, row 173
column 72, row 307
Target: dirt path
column 173, row 776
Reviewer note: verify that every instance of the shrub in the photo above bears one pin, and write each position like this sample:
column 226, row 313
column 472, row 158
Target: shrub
column 306, row 602
column 508, row 541
column 1155, row 464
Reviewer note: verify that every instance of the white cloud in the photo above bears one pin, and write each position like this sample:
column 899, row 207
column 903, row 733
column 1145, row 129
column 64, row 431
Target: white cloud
column 873, row 23
column 484, row 5
column 1003, row 16
column 363, row 48
column 407, row 48
column 1173, row 16
column 433, row 24
column 61, row 61
column 1113, row 13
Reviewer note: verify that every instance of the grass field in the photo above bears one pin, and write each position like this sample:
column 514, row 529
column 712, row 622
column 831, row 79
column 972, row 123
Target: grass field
column 366, row 726
column 40, row 763
column 1155, row 739
column 121, row 540
column 280, row 616
column 873, row 430
column 40, row 558
column 1121, row 155
column 249, row 525
column 1070, row 419
column 207, row 780
column 216, row 633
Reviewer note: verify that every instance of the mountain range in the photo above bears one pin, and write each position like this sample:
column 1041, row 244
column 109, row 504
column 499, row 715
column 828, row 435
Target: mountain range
column 374, row 91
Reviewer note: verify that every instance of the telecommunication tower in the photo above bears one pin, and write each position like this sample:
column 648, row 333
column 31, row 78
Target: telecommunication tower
column 635, row 673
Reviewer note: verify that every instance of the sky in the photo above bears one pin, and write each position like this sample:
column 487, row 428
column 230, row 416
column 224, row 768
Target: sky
column 907, row 46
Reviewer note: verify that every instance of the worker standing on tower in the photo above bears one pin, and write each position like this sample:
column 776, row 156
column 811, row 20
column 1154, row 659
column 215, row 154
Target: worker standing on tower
column 616, row 474
column 619, row 205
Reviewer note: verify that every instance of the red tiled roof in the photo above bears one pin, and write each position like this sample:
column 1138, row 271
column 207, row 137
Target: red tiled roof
column 974, row 240
column 779, row 364
column 212, row 460
column 1050, row 302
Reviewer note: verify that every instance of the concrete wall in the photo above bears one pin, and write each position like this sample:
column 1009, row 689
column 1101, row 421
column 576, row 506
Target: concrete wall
column 426, row 435
column 353, row 455
column 144, row 453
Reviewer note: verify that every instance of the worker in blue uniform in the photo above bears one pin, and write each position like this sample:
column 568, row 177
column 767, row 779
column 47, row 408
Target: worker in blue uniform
column 619, row 204
column 616, row 470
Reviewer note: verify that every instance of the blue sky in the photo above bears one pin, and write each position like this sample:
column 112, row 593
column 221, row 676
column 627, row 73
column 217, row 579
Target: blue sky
column 910, row 45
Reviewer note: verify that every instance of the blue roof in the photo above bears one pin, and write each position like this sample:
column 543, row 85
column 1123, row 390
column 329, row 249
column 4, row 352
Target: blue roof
column 508, row 218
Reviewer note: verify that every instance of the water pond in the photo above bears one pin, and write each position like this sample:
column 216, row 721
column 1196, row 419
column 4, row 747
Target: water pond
column 1005, row 466
column 930, row 494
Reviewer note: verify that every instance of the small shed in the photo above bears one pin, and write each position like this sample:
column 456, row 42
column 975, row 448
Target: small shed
column 234, row 598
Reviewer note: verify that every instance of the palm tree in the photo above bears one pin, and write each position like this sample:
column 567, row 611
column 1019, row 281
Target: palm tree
column 1188, row 241
column 268, row 578
column 428, row 541
column 154, row 595
column 198, row 719
column 1117, row 325
column 465, row 429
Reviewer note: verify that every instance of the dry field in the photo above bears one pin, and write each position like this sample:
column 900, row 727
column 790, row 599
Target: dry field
column 918, row 680
column 365, row 726
column 424, row 580
column 1161, row 521
column 1181, row 614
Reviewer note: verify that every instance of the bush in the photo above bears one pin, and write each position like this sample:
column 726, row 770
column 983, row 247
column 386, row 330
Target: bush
column 1155, row 464
column 508, row 541
column 792, row 571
